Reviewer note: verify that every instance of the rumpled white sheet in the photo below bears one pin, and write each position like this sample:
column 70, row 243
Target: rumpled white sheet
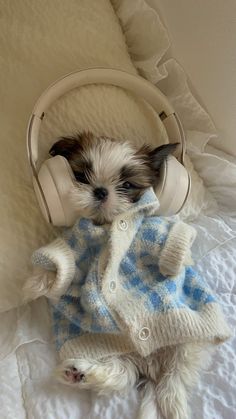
column 27, row 389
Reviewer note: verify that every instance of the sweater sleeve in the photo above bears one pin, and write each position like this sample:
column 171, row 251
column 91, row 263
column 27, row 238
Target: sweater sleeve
column 58, row 257
column 177, row 250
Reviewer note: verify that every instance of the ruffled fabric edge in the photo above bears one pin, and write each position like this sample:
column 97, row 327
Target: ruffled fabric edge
column 147, row 49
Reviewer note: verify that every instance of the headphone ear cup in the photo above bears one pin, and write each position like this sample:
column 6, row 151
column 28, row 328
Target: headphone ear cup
column 55, row 179
column 173, row 188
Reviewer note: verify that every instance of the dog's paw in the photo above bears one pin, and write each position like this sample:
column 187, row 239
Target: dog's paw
column 67, row 373
column 39, row 284
column 72, row 375
column 101, row 376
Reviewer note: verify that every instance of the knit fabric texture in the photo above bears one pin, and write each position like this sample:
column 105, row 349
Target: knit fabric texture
column 131, row 287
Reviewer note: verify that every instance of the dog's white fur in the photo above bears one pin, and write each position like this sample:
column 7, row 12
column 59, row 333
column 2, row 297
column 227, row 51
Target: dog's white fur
column 168, row 375
column 165, row 377
column 107, row 159
column 41, row 283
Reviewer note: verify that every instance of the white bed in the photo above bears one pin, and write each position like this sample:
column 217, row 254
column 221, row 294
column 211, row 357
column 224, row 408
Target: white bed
column 27, row 389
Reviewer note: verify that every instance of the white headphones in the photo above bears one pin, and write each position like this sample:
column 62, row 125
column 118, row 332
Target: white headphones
column 53, row 181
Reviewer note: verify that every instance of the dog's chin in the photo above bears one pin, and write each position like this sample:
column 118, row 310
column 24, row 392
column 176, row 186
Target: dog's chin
column 100, row 216
column 98, row 212
column 104, row 213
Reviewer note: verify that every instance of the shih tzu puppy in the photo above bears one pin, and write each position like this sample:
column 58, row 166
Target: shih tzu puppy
column 128, row 308
column 111, row 175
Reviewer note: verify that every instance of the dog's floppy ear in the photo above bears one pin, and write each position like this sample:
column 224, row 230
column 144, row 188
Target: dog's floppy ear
column 66, row 147
column 157, row 156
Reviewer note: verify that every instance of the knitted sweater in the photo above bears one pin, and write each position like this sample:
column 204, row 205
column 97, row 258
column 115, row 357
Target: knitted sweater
column 129, row 286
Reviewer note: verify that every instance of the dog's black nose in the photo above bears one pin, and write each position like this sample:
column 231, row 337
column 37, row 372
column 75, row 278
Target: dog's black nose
column 100, row 193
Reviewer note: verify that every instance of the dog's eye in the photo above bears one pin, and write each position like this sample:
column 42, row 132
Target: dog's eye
column 127, row 185
column 81, row 177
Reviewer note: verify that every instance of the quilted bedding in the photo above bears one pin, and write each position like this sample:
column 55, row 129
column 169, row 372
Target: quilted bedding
column 27, row 389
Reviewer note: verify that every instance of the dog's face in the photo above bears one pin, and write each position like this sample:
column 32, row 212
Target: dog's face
column 110, row 175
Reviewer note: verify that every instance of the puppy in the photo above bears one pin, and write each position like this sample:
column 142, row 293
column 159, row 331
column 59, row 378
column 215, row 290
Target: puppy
column 110, row 178
column 111, row 175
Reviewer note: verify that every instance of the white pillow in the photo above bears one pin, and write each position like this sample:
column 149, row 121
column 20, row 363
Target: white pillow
column 39, row 43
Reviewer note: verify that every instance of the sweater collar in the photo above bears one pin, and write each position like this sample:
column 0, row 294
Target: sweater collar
column 148, row 204
column 148, row 198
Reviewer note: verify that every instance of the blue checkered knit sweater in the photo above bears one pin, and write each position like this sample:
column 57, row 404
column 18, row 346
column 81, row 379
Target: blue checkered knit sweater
column 129, row 286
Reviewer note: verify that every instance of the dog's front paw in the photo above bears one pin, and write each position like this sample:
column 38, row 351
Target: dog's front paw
column 39, row 284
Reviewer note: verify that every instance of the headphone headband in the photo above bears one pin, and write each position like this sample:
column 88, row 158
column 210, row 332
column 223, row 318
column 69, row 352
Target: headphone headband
column 136, row 84
column 53, row 180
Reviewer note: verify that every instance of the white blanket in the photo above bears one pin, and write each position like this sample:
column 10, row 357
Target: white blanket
column 27, row 389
